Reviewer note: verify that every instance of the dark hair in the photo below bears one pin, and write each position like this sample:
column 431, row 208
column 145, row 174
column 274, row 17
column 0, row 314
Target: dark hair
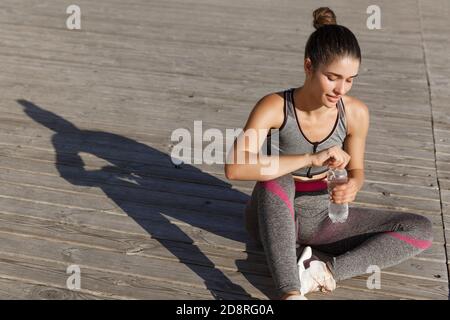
column 330, row 40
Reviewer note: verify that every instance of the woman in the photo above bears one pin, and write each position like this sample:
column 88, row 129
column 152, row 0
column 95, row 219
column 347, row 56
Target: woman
column 319, row 126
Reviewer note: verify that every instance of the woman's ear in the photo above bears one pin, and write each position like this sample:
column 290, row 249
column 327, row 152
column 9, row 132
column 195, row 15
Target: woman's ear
column 308, row 67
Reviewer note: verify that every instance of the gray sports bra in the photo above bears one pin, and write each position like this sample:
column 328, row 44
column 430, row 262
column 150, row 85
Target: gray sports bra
column 289, row 138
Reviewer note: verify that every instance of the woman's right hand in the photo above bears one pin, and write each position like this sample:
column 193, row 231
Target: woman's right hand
column 333, row 157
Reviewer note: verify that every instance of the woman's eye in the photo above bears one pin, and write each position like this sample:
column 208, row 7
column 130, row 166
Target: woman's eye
column 331, row 79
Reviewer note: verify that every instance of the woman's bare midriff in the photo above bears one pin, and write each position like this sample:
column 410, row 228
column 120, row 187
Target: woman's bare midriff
column 319, row 177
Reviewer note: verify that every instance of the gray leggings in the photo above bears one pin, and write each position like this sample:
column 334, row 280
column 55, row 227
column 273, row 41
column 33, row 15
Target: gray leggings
column 284, row 220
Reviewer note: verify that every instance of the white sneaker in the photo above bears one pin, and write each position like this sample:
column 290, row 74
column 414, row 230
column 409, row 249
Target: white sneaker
column 307, row 283
column 320, row 273
column 306, row 254
column 316, row 277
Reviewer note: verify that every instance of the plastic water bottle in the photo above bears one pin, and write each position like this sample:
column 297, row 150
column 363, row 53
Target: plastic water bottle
column 337, row 212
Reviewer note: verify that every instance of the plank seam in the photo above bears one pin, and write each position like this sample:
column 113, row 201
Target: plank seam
column 430, row 101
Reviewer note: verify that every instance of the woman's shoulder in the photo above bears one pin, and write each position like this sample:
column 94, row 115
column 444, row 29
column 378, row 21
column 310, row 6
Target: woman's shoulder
column 356, row 111
column 354, row 104
column 270, row 107
column 276, row 99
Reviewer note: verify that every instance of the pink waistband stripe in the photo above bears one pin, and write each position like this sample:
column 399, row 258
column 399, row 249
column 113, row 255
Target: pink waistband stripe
column 417, row 243
column 309, row 186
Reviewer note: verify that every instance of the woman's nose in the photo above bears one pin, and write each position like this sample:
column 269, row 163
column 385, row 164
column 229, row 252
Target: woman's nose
column 339, row 90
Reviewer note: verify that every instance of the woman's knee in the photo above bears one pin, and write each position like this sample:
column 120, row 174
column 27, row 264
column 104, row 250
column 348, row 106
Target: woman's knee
column 419, row 229
column 425, row 227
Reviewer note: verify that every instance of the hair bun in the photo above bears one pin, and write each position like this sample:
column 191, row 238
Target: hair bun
column 323, row 16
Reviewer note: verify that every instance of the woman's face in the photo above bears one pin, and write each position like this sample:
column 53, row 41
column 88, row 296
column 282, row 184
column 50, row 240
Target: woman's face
column 331, row 82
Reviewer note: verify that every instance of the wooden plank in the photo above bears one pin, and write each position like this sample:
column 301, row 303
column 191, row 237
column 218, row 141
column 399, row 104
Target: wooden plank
column 351, row 293
column 106, row 285
column 443, row 181
column 116, row 199
column 435, row 253
column 398, row 203
column 402, row 286
column 400, row 159
column 141, row 242
column 443, row 166
column 164, row 223
column 77, row 180
column 154, row 220
column 158, row 269
column 20, row 289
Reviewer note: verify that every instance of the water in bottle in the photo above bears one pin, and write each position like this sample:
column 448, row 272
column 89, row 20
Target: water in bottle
column 337, row 212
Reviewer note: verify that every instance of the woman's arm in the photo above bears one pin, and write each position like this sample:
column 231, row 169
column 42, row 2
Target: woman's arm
column 355, row 143
column 244, row 160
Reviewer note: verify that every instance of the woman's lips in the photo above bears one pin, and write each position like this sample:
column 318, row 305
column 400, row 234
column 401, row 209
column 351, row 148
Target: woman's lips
column 332, row 98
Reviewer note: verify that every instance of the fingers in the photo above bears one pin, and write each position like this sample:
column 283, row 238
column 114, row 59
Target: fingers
column 342, row 200
column 343, row 164
column 338, row 157
column 336, row 163
column 340, row 197
column 333, row 157
column 344, row 193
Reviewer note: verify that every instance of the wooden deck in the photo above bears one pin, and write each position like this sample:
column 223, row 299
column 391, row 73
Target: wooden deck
column 85, row 125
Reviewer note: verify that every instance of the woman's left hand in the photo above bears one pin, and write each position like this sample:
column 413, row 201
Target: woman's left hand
column 345, row 193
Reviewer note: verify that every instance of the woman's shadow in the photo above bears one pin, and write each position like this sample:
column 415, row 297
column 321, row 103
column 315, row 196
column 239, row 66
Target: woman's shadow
column 137, row 168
